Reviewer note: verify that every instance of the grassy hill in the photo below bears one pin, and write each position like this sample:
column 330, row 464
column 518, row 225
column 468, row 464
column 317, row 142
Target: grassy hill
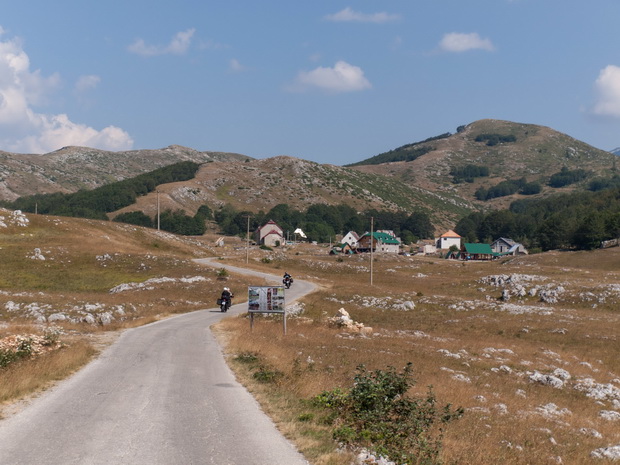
column 531, row 152
column 73, row 168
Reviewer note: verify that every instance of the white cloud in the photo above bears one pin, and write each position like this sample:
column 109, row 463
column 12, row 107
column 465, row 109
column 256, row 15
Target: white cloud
column 607, row 86
column 343, row 77
column 458, row 42
column 178, row 45
column 56, row 131
column 235, row 66
column 349, row 15
column 22, row 129
column 86, row 83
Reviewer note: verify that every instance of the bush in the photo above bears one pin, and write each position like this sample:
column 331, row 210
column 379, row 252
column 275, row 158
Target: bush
column 137, row 218
column 376, row 414
column 266, row 376
column 24, row 350
column 566, row 177
column 247, row 357
column 494, row 139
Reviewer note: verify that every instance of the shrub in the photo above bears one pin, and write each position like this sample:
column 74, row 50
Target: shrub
column 135, row 217
column 494, row 139
column 24, row 349
column 566, row 177
column 265, row 375
column 376, row 414
column 247, row 357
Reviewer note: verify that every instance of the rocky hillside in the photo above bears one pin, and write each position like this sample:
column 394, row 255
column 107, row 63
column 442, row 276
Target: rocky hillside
column 421, row 179
column 73, row 168
column 534, row 152
column 255, row 185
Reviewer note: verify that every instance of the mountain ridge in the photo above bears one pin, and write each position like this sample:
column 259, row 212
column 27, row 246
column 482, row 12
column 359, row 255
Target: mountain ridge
column 72, row 168
column 509, row 150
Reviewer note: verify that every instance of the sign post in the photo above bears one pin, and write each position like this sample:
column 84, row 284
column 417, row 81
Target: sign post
column 266, row 299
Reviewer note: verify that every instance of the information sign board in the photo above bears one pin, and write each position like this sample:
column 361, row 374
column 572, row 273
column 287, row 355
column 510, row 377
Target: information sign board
column 266, row 299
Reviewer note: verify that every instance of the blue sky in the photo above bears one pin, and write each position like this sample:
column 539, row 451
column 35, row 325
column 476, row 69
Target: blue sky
column 327, row 81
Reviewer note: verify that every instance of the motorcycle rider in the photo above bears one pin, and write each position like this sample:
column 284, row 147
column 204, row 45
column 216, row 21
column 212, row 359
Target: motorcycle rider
column 287, row 280
column 227, row 295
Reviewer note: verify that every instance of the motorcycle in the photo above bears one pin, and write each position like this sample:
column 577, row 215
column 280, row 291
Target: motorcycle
column 224, row 304
column 287, row 282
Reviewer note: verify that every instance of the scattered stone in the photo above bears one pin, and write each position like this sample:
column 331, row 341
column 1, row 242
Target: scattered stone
column 16, row 218
column 562, row 374
column 610, row 415
column 57, row 317
column 547, row 380
column 591, row 432
column 37, row 255
column 598, row 391
column 106, row 318
column 612, row 453
column 344, row 320
column 552, row 411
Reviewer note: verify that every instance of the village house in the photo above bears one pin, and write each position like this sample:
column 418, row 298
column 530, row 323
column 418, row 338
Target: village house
column 476, row 252
column 350, row 238
column 448, row 239
column 381, row 242
column 343, row 248
column 507, row 246
column 270, row 234
column 427, row 248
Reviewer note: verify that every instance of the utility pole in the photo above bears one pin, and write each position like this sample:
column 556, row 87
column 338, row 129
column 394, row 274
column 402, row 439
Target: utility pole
column 158, row 222
column 247, row 242
column 372, row 237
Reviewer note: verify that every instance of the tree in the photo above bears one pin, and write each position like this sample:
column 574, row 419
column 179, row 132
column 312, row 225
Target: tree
column 590, row 232
column 136, row 217
column 179, row 222
column 531, row 188
column 419, row 223
column 319, row 232
column 206, row 212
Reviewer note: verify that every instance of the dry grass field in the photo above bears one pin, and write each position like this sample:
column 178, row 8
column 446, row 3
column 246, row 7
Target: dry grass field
column 84, row 281
column 528, row 346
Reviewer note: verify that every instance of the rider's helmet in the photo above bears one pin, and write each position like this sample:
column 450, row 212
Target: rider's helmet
column 226, row 289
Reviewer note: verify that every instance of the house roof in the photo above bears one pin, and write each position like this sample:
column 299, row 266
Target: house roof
column 353, row 234
column 273, row 231
column 450, row 233
column 507, row 241
column 384, row 238
column 478, row 248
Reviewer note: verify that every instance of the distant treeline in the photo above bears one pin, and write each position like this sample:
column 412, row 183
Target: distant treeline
column 564, row 177
column 322, row 222
column 105, row 199
column 468, row 173
column 408, row 152
column 177, row 222
column 509, row 187
column 580, row 220
column 494, row 139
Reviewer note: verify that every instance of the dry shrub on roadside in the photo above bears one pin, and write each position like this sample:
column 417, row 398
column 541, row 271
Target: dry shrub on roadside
column 25, row 377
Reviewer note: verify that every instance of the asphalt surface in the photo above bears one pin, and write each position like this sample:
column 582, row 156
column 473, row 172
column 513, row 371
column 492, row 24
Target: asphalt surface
column 161, row 394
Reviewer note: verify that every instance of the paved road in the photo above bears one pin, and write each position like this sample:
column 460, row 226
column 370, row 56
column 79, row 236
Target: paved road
column 161, row 394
